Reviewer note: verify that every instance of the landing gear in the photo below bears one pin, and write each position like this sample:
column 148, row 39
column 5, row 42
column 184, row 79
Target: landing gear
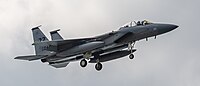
column 83, row 63
column 131, row 56
column 130, row 47
column 43, row 60
column 98, row 66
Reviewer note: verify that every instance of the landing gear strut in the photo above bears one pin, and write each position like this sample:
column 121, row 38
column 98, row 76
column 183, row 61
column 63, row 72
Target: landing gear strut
column 130, row 47
column 83, row 63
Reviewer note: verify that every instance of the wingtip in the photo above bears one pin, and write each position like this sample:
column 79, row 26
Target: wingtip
column 16, row 57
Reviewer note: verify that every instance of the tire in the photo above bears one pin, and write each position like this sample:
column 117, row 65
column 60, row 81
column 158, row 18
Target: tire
column 83, row 63
column 43, row 60
column 131, row 56
column 98, row 66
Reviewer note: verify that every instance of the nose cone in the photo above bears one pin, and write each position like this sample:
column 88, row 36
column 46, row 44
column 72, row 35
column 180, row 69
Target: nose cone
column 171, row 27
column 163, row 28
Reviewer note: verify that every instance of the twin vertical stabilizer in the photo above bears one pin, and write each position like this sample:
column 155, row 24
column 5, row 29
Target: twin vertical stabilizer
column 55, row 35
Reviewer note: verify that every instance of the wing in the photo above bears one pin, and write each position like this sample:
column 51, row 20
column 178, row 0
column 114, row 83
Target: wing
column 31, row 57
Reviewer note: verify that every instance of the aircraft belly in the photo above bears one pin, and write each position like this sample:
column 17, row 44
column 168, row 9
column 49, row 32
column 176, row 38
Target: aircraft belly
column 110, row 48
column 67, row 60
column 82, row 48
column 59, row 65
column 111, row 56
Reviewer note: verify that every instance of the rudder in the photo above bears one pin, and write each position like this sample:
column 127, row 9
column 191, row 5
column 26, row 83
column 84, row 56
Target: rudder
column 38, row 35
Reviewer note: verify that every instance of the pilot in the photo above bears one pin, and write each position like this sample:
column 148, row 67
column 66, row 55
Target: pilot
column 138, row 23
column 145, row 22
column 126, row 26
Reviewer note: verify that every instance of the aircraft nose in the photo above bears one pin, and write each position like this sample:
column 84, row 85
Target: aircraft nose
column 169, row 27
column 163, row 28
column 172, row 27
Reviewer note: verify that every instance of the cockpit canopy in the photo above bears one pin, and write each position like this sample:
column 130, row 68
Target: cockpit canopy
column 138, row 23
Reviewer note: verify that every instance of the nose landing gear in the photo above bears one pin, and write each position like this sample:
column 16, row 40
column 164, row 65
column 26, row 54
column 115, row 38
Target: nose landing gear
column 130, row 47
column 131, row 56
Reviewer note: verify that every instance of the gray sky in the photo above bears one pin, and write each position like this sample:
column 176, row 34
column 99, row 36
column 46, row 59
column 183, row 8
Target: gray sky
column 170, row 60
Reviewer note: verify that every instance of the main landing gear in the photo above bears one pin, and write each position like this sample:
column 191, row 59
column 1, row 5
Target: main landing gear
column 98, row 66
column 83, row 63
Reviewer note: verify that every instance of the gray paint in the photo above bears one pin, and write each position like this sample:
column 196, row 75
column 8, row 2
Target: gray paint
column 171, row 60
column 124, row 36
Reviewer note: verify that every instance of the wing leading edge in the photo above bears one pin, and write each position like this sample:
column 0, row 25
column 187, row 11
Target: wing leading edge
column 31, row 57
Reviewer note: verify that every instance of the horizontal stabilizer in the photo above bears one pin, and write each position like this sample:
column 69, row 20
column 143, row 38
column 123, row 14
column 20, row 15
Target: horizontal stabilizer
column 31, row 57
column 60, row 65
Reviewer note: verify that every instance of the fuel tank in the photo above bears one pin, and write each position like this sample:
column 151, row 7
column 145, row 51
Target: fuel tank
column 59, row 65
column 111, row 56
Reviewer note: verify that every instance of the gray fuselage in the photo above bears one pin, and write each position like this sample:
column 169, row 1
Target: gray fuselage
column 124, row 35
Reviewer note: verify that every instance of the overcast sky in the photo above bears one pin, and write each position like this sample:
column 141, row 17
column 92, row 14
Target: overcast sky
column 170, row 60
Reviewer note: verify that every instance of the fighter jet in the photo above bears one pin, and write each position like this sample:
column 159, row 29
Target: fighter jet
column 98, row 49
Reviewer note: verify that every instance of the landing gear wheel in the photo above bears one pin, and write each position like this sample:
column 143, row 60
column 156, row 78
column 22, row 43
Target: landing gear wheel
column 98, row 66
column 83, row 63
column 43, row 60
column 131, row 56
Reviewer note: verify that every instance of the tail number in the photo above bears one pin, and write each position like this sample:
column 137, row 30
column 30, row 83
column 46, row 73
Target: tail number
column 44, row 48
column 42, row 39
